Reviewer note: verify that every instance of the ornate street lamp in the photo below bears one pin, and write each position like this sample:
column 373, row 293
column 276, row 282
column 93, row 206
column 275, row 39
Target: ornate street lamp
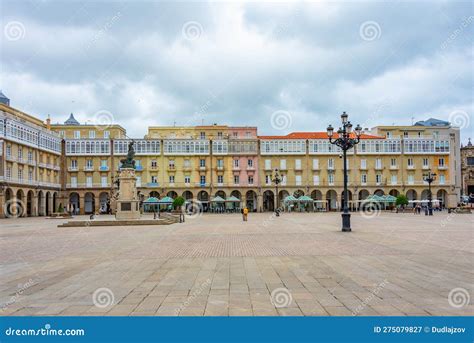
column 430, row 177
column 276, row 180
column 345, row 142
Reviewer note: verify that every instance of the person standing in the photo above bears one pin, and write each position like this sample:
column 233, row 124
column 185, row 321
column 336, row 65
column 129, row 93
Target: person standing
column 245, row 213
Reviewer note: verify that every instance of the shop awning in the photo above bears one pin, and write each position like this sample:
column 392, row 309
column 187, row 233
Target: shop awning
column 217, row 199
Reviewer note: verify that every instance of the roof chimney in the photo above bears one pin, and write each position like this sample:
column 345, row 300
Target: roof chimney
column 48, row 123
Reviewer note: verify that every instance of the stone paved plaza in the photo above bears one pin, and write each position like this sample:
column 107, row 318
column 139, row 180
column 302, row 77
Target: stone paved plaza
column 217, row 265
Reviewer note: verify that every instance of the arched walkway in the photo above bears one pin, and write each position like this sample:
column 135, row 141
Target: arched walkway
column 251, row 202
column 221, row 194
column 89, row 203
column 20, row 204
column 203, row 197
column 268, row 201
column 425, row 194
column 104, row 202
column 411, row 194
column 331, row 197
column 188, row 195
column 47, row 211
column 363, row 194
column 55, row 202
column 379, row 192
column 442, row 196
column 394, row 192
column 29, row 203
column 154, row 194
column 172, row 194
column 74, row 203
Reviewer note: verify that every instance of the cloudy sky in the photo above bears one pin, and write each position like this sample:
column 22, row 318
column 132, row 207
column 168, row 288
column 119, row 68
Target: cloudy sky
column 280, row 66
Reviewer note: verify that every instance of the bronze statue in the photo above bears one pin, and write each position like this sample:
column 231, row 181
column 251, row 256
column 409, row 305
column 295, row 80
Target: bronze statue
column 129, row 162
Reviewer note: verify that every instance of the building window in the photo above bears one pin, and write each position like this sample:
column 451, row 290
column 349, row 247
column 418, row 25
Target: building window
column 77, row 134
column 442, row 179
column 393, row 162
column 236, row 179
column 236, row 163
column 363, row 179
column 411, row 179
column 187, row 179
column 283, row 164
column 220, row 163
column 91, row 134
column 187, row 163
column 139, row 181
column 378, row 179
column 441, row 162
column 20, row 174
column 89, row 181
column 331, row 179
column 153, row 164
column 405, row 134
column 470, row 161
column 154, row 179
column 106, row 134
column 103, row 164
column 250, row 163
column 378, row 163
column 220, row 179
column 425, row 162
column 20, row 153
column 363, row 164
column 388, row 135
column 103, row 180
column 202, row 179
column 30, row 156
column 202, row 135
column 9, row 172
column 30, row 175
column 268, row 179
column 298, row 164
column 171, row 179
column 219, row 135
column 298, row 180
column 73, row 181
column 9, row 151
column 268, row 164
column 283, row 180
column 315, row 163
column 316, row 180
column 394, row 179
column 202, row 162
column 61, row 133
column 331, row 163
column 410, row 162
column 250, row 179
column 171, row 164
column 89, row 164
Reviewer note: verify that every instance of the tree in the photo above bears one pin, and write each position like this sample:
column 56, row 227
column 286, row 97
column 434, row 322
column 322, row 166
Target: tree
column 178, row 202
column 60, row 208
column 402, row 200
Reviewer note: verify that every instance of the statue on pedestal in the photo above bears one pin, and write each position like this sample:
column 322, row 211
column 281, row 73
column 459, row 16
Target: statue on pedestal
column 129, row 162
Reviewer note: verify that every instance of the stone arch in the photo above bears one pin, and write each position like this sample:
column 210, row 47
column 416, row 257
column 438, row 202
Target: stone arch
column 89, row 203
column 298, row 193
column 74, row 203
column 442, row 196
column 363, row 194
column 154, row 194
column 221, row 194
column 282, row 195
column 331, row 197
column 188, row 195
column 394, row 192
column 104, row 203
column 237, row 194
column 20, row 203
column 411, row 194
column 316, row 195
column 172, row 194
column 268, row 201
column 379, row 192
column 29, row 203
column 40, row 204
column 48, row 204
column 251, row 200
column 203, row 197
column 425, row 194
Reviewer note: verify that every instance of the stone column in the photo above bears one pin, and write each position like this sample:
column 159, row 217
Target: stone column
column 42, row 206
column 82, row 204
column 96, row 204
column 34, row 206
column 259, row 203
column 50, row 205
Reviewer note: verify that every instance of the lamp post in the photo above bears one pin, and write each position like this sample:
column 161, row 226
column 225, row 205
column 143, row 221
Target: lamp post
column 430, row 177
column 345, row 142
column 276, row 180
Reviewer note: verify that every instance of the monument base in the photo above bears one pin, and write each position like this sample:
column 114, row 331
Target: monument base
column 127, row 209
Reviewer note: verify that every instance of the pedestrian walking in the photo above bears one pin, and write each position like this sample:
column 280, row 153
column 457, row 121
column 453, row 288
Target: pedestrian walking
column 245, row 213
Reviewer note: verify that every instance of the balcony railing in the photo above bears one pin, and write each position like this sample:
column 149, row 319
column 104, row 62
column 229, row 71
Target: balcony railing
column 73, row 169
column 30, row 182
column 152, row 184
column 88, row 168
column 88, row 185
column 104, row 168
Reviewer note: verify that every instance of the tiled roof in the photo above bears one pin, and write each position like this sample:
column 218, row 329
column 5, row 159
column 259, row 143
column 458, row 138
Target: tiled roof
column 316, row 135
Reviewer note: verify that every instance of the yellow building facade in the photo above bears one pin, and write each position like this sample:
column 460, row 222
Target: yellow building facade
column 78, row 165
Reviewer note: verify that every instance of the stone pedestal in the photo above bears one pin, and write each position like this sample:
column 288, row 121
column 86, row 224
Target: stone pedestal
column 128, row 206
